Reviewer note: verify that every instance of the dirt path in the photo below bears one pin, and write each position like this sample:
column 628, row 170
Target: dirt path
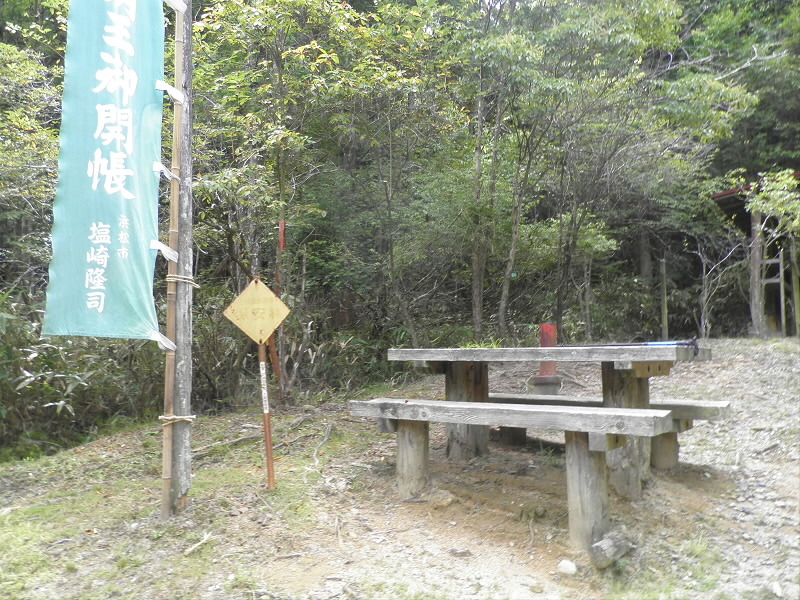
column 724, row 525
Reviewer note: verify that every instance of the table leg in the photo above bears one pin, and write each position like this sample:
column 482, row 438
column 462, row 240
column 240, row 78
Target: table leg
column 467, row 382
column 629, row 465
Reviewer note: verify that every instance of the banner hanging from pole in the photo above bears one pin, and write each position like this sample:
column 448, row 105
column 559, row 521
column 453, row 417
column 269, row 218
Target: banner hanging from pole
column 105, row 215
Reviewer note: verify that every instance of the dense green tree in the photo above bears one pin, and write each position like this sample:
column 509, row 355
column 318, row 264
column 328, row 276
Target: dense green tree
column 445, row 172
column 29, row 117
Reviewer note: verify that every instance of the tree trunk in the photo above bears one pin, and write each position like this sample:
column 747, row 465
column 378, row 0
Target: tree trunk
column 705, row 299
column 645, row 258
column 182, row 430
column 757, row 313
column 587, row 297
column 479, row 250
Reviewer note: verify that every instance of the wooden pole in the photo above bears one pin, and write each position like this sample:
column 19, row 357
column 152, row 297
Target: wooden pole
column 262, row 363
column 664, row 304
column 782, row 291
column 794, row 269
column 757, row 314
column 167, row 506
column 181, row 450
column 176, row 473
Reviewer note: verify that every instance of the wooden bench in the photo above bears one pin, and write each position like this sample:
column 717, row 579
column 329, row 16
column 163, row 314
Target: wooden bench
column 664, row 447
column 587, row 486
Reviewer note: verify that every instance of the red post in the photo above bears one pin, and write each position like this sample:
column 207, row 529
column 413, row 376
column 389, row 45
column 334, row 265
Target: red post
column 547, row 339
column 547, row 381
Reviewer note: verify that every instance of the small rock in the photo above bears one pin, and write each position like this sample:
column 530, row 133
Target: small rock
column 777, row 589
column 567, row 567
column 442, row 499
column 461, row 553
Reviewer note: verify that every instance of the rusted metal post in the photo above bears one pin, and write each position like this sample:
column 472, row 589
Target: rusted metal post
column 262, row 362
column 548, row 381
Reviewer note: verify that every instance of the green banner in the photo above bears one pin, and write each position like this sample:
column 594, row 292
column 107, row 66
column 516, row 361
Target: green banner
column 105, row 216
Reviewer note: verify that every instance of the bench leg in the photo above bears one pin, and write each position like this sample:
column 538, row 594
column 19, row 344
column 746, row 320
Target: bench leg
column 413, row 470
column 664, row 451
column 587, row 491
column 513, row 436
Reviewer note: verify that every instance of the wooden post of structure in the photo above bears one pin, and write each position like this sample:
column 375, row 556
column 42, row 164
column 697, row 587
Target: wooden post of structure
column 630, row 464
column 467, row 382
column 587, row 491
column 664, row 305
column 757, row 313
column 794, row 267
column 782, row 291
column 176, row 460
column 413, row 470
column 664, row 451
column 262, row 363
column 182, row 438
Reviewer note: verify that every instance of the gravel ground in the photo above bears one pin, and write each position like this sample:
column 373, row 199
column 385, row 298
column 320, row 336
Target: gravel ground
column 723, row 524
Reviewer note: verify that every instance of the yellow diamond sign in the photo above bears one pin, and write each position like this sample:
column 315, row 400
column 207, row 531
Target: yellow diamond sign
column 257, row 311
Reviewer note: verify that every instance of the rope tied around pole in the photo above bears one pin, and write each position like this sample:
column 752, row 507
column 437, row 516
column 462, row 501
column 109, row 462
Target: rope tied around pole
column 176, row 419
column 183, row 279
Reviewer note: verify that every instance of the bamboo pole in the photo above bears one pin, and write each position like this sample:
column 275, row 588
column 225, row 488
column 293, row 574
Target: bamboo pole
column 172, row 286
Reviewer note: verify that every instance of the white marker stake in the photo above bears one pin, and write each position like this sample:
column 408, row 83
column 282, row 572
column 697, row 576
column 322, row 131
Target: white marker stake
column 262, row 362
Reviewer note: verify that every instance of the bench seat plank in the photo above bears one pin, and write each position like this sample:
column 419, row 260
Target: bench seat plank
column 590, row 419
column 700, row 410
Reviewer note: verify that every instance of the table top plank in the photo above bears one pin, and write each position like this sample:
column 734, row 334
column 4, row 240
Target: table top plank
column 602, row 353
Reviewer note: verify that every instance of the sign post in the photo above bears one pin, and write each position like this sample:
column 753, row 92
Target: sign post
column 259, row 312
column 262, row 364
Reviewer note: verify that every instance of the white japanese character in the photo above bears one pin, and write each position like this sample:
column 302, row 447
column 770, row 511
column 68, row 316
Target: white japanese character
column 101, row 233
column 117, row 77
column 119, row 33
column 96, row 301
column 113, row 171
column 115, row 125
column 98, row 255
column 96, row 279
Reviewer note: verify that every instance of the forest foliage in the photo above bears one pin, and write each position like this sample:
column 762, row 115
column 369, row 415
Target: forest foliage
column 448, row 172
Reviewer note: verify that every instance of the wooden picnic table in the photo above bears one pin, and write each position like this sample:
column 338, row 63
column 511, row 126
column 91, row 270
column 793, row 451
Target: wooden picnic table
column 625, row 375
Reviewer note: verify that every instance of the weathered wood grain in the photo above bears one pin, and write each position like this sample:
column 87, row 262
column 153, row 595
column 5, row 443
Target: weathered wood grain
column 623, row 354
column 608, row 420
column 587, row 491
column 413, row 470
column 466, row 382
column 701, row 410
